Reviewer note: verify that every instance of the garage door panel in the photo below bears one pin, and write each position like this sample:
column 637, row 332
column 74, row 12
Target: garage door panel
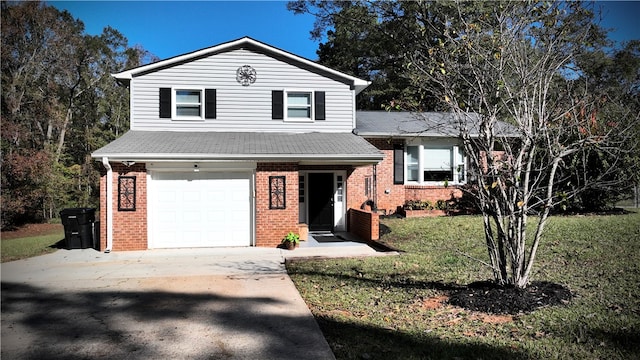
column 204, row 209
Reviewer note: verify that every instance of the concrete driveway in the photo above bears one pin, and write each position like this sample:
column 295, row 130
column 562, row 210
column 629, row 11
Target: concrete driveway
column 233, row 303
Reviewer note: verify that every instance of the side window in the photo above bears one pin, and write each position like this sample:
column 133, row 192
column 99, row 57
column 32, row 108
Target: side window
column 413, row 161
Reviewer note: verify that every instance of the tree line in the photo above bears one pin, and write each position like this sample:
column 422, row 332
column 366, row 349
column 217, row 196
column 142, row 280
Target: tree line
column 59, row 103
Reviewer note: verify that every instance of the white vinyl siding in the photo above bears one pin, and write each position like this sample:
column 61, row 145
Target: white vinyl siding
column 240, row 108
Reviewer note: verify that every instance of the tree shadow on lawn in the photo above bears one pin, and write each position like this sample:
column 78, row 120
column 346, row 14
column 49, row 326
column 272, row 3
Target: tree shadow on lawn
column 38, row 323
column 354, row 341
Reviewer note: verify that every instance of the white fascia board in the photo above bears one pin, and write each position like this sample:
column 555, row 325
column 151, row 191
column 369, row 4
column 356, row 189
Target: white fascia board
column 404, row 135
column 145, row 157
column 358, row 83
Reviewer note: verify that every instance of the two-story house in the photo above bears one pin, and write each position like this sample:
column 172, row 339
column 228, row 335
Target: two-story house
column 232, row 145
column 239, row 143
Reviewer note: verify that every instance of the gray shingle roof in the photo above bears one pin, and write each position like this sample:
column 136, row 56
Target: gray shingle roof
column 436, row 124
column 153, row 145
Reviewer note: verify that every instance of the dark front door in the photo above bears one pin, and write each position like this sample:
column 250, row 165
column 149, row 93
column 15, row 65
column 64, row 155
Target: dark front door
column 321, row 201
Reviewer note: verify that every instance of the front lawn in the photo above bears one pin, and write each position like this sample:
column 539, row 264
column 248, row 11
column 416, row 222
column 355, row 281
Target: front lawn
column 25, row 244
column 395, row 307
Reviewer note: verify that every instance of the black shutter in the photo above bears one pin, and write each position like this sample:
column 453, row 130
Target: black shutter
column 210, row 103
column 277, row 104
column 398, row 164
column 165, row 103
column 319, row 105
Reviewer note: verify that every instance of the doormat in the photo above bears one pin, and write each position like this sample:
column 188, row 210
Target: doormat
column 326, row 238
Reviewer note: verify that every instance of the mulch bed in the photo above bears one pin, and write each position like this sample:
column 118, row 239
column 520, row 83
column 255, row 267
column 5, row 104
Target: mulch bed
column 488, row 297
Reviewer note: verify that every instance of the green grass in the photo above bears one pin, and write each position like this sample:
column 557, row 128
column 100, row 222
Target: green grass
column 22, row 248
column 377, row 308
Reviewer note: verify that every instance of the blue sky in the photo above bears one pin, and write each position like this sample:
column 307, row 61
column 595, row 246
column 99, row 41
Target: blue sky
column 170, row 28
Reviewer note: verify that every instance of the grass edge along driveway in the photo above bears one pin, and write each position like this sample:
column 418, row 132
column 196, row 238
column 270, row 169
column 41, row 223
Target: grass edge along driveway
column 30, row 246
column 395, row 307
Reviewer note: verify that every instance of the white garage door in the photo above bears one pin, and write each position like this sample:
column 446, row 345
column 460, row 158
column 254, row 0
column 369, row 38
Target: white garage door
column 200, row 209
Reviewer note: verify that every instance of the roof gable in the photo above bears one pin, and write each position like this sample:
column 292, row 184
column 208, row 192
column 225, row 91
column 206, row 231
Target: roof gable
column 250, row 44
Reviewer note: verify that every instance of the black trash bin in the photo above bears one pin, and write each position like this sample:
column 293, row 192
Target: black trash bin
column 78, row 227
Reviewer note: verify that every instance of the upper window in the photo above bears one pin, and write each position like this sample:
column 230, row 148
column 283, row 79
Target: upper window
column 435, row 162
column 188, row 103
column 299, row 105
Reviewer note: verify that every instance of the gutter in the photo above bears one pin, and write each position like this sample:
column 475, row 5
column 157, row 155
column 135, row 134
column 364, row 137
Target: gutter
column 109, row 226
column 341, row 158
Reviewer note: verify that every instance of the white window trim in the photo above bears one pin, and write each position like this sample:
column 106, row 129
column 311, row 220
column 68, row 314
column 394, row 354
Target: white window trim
column 421, row 147
column 311, row 105
column 174, row 103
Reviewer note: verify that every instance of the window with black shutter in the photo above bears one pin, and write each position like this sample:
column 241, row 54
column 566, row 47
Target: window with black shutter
column 188, row 104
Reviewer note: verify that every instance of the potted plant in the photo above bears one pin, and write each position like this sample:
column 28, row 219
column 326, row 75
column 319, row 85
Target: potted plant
column 291, row 240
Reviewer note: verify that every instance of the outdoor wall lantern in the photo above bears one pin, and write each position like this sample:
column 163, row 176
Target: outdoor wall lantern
column 126, row 193
column 277, row 192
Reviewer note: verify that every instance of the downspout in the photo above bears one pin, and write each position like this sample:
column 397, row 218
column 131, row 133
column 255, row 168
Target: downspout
column 105, row 162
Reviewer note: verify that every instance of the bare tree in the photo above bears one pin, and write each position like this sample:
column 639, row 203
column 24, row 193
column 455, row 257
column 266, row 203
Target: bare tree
column 515, row 62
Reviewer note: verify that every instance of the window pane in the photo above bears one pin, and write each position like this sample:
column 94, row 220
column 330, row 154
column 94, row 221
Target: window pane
column 413, row 153
column 299, row 113
column 412, row 173
column 438, row 175
column 188, row 96
column 188, row 110
column 301, row 189
column 437, row 159
column 299, row 99
column 461, row 168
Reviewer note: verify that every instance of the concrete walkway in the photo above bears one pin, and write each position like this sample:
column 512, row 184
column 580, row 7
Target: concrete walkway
column 223, row 303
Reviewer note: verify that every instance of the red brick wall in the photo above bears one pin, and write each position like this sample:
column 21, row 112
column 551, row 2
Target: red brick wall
column 273, row 224
column 431, row 193
column 355, row 186
column 129, row 227
column 364, row 224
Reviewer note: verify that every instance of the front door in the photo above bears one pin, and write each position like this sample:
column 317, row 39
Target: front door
column 320, row 201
